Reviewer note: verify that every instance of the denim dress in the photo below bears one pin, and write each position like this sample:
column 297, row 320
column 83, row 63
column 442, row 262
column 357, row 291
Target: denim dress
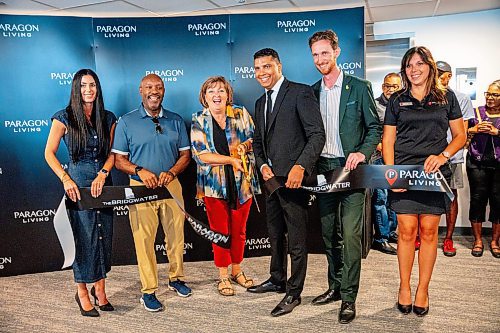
column 92, row 229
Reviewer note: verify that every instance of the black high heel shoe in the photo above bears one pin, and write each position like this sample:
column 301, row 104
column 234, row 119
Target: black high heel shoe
column 105, row 307
column 421, row 311
column 404, row 309
column 89, row 313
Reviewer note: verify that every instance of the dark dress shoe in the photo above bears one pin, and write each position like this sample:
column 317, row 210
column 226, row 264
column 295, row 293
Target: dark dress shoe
column 90, row 313
column 384, row 247
column 105, row 307
column 404, row 309
column 287, row 304
column 393, row 238
column 420, row 311
column 327, row 297
column 267, row 287
column 347, row 312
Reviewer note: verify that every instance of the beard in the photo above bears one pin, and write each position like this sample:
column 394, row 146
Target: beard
column 325, row 70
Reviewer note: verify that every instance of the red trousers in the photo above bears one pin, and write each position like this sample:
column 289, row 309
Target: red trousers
column 228, row 221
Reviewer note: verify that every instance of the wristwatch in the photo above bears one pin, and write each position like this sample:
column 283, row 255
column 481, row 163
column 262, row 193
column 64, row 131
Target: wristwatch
column 137, row 169
column 446, row 154
column 104, row 172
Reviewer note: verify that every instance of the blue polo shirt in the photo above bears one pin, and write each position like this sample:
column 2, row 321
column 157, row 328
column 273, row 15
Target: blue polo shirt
column 136, row 136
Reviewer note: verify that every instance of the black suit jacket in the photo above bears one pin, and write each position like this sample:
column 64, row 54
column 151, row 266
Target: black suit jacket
column 294, row 133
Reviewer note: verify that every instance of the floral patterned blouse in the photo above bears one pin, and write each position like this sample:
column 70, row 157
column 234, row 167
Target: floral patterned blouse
column 211, row 180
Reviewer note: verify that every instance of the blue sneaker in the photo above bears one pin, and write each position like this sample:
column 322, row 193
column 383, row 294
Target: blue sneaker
column 151, row 303
column 180, row 287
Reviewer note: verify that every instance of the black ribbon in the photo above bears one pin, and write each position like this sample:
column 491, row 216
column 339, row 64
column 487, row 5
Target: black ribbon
column 131, row 195
column 410, row 177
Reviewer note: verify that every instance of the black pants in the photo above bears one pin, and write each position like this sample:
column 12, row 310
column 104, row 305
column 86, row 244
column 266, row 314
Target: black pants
column 484, row 184
column 287, row 216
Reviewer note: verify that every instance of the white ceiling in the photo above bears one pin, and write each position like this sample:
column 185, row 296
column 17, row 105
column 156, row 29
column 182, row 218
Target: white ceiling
column 375, row 10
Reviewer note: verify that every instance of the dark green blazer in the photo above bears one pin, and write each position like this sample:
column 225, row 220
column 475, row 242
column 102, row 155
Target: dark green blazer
column 360, row 128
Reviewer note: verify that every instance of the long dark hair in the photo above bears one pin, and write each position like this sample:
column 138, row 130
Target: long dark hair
column 432, row 86
column 78, row 128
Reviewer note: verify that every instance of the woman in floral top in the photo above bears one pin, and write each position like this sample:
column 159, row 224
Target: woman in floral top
column 221, row 134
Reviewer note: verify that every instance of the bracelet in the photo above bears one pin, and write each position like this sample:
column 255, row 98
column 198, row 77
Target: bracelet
column 170, row 173
column 63, row 176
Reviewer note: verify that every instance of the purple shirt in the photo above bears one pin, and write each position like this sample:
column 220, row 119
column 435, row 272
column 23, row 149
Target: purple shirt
column 479, row 140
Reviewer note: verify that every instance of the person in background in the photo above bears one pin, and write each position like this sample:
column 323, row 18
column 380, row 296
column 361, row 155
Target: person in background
column 457, row 160
column 152, row 146
column 416, row 121
column 386, row 221
column 483, row 169
column 352, row 131
column 87, row 129
column 220, row 135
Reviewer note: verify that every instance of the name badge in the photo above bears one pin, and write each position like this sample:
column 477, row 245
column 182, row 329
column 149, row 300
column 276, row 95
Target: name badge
column 405, row 103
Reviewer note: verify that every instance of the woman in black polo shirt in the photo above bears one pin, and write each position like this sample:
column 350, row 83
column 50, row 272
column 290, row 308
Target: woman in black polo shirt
column 416, row 120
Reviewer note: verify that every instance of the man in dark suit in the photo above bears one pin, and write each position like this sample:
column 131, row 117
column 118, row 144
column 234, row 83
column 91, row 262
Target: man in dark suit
column 352, row 132
column 288, row 139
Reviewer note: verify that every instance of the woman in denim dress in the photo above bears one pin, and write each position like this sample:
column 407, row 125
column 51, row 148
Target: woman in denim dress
column 87, row 130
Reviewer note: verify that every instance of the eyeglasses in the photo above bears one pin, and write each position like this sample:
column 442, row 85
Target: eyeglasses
column 158, row 128
column 490, row 95
column 391, row 86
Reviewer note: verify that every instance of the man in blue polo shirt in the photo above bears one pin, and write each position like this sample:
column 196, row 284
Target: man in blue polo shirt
column 152, row 146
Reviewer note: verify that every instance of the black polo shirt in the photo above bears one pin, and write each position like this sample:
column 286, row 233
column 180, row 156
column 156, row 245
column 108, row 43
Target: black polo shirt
column 421, row 126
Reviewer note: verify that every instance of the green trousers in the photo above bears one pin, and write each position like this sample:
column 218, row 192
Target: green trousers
column 341, row 219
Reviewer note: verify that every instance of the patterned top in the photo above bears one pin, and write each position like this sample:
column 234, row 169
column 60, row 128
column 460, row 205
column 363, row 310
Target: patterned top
column 211, row 180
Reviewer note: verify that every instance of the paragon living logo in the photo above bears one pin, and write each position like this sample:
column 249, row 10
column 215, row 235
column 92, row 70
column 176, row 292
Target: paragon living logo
column 26, row 126
column 206, row 29
column 349, row 67
column 33, row 216
column 161, row 247
column 168, row 75
column 121, row 210
column 258, row 243
column 62, row 78
column 18, row 30
column 116, row 31
column 4, row 261
column 290, row 26
column 245, row 72
column 416, row 177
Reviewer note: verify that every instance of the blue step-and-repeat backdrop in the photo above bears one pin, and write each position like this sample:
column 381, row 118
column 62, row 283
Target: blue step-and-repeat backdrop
column 40, row 54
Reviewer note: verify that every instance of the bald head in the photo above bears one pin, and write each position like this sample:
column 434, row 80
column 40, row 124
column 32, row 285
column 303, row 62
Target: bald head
column 152, row 91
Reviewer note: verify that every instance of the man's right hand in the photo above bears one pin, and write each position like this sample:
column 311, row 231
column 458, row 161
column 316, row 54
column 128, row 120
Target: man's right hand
column 148, row 178
column 267, row 173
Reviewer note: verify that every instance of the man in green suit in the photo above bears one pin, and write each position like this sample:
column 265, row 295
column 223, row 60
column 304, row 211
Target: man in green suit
column 353, row 131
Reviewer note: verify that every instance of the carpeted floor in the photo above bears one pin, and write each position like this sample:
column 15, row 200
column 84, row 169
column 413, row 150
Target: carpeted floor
column 464, row 297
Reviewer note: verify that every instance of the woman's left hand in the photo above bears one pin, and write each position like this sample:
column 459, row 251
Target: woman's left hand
column 434, row 162
column 97, row 185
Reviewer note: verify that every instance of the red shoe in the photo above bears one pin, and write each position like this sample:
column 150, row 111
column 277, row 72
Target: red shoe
column 417, row 244
column 448, row 249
